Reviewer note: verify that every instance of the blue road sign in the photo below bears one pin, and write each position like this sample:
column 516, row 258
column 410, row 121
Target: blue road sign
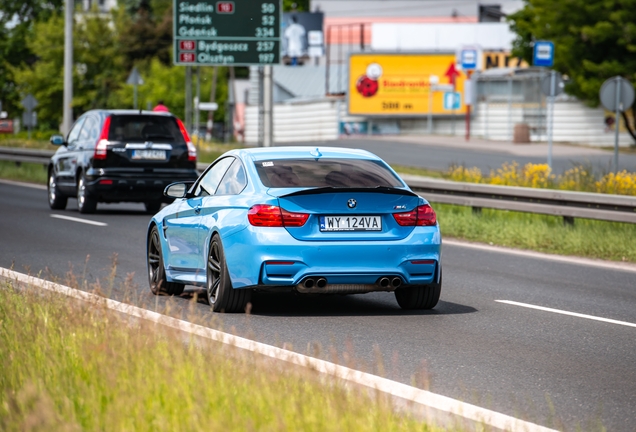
column 452, row 101
column 469, row 59
column 543, row 54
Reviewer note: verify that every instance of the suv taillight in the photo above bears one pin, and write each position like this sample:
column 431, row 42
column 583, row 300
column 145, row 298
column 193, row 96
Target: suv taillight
column 423, row 215
column 192, row 150
column 101, row 148
column 272, row 216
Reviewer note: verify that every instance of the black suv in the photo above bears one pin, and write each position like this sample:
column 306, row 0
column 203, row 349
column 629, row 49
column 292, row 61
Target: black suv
column 120, row 155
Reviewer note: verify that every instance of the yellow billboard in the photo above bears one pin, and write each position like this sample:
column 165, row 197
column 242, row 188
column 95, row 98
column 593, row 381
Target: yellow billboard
column 400, row 84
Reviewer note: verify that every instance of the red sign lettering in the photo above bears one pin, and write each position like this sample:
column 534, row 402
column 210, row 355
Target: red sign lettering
column 188, row 45
column 226, row 7
column 187, row 57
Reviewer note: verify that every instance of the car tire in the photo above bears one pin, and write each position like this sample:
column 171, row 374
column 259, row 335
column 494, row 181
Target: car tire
column 156, row 270
column 86, row 203
column 152, row 207
column 221, row 296
column 57, row 201
column 419, row 297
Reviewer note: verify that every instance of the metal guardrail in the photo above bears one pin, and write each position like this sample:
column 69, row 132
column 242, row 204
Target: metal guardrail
column 569, row 205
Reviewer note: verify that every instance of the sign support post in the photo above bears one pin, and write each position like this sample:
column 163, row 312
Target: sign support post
column 268, row 87
column 617, row 94
column 551, row 116
column 468, row 89
column 67, row 109
column 617, row 123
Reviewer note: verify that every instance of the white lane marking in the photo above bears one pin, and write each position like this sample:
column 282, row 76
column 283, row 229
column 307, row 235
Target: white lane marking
column 74, row 219
column 544, row 256
column 396, row 389
column 562, row 312
column 25, row 184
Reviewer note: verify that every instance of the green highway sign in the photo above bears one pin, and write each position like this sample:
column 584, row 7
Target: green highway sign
column 238, row 32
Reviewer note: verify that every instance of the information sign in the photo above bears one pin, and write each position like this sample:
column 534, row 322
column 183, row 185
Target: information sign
column 239, row 32
column 452, row 101
column 469, row 59
column 543, row 54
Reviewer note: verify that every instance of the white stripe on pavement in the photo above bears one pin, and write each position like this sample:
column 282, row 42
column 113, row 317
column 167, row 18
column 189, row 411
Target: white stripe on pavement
column 393, row 388
column 612, row 265
column 74, row 219
column 25, row 184
column 562, row 312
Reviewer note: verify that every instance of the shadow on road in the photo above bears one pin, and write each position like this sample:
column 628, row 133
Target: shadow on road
column 373, row 304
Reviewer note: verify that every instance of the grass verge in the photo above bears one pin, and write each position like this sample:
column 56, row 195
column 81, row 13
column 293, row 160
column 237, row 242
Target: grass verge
column 586, row 238
column 69, row 366
column 26, row 172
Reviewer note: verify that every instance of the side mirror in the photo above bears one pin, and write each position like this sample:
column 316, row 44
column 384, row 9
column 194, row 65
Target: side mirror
column 177, row 190
column 57, row 140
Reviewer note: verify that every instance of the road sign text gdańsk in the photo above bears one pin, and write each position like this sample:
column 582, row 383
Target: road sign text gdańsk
column 238, row 32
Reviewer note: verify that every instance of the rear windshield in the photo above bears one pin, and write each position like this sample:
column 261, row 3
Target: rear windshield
column 143, row 128
column 281, row 173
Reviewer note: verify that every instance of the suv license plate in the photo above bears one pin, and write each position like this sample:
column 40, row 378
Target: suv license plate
column 350, row 223
column 149, row 154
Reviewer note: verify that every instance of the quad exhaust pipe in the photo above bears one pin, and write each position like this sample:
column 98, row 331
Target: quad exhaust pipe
column 321, row 282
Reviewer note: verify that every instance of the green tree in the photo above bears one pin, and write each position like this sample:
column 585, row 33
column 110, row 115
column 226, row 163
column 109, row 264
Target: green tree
column 299, row 5
column 144, row 30
column 593, row 39
column 97, row 72
column 17, row 18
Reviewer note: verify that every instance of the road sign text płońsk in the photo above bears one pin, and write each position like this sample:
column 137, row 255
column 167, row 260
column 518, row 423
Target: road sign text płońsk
column 238, row 32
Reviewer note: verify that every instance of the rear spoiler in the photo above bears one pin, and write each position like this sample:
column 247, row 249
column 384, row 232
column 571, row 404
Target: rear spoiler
column 330, row 189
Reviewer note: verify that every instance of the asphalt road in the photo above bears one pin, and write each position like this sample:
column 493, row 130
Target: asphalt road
column 553, row 369
column 440, row 157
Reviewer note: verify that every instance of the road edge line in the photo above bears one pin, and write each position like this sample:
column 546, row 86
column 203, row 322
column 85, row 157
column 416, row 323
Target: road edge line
column 24, row 184
column 568, row 259
column 393, row 388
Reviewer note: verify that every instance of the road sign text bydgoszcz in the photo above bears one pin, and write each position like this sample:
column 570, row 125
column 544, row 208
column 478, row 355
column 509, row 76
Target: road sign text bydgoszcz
column 238, row 32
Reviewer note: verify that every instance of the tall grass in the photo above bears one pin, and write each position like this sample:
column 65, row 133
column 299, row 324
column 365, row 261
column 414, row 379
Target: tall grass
column 586, row 238
column 66, row 366
column 27, row 172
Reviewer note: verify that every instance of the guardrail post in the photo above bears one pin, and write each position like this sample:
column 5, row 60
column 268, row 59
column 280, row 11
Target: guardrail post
column 568, row 221
column 476, row 210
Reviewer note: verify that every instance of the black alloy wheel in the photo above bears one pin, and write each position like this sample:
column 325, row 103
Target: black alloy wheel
column 156, row 271
column 57, row 201
column 419, row 297
column 221, row 296
column 86, row 203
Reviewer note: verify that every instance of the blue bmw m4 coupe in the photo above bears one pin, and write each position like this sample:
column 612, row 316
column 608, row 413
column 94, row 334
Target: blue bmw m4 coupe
column 312, row 220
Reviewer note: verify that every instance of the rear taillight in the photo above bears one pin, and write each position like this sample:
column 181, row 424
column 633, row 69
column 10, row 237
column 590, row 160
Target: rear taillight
column 273, row 216
column 423, row 215
column 192, row 150
column 101, row 148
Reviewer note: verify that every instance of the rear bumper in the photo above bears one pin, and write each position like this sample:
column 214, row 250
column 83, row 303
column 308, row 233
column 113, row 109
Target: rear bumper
column 117, row 186
column 271, row 257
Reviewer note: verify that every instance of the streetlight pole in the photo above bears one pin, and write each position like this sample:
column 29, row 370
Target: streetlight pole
column 67, row 109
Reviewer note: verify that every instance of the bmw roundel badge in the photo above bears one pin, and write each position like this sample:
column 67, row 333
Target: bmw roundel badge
column 352, row 203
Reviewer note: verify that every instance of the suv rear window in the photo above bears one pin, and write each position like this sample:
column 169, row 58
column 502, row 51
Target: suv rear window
column 281, row 173
column 142, row 128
